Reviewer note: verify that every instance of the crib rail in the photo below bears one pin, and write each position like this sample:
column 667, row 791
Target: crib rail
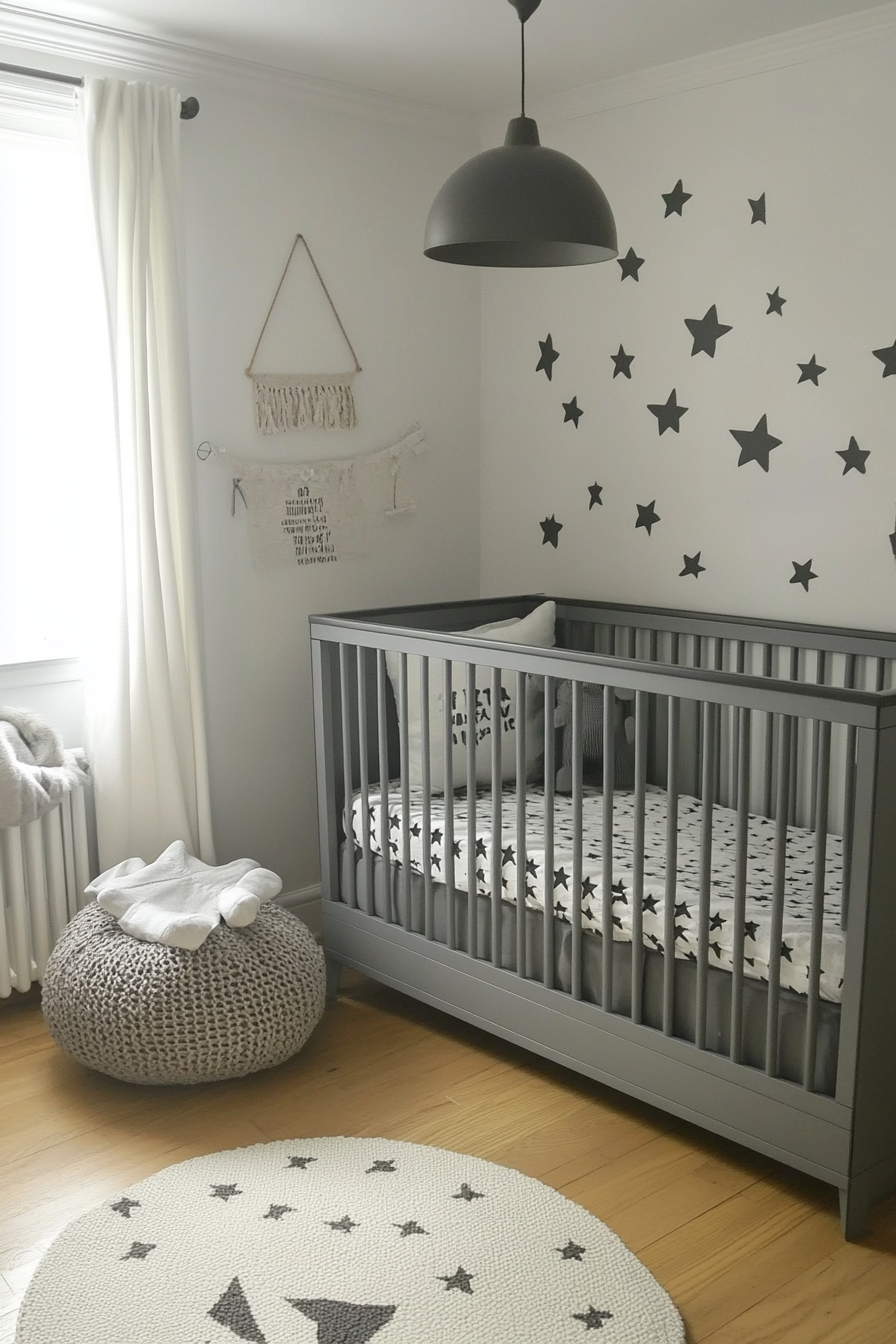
column 765, row 726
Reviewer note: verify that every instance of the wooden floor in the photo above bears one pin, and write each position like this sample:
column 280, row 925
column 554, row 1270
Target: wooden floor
column 750, row 1252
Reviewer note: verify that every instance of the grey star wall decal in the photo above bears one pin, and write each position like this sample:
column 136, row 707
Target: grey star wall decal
column 549, row 357
column 233, row 1312
column 459, row 1279
column 382, row 1164
column 811, row 372
column 775, row 302
column 344, row 1225
column 675, row 199
column 630, row 265
column 887, row 356
column 572, row 412
column 647, row 516
column 802, row 573
column 571, row 1251
column 593, row 1319
column 224, row 1192
column 343, row 1322
column 668, row 413
column 301, row 1162
column 755, row 444
column 758, row 209
column 139, row 1250
column 594, row 493
column 124, row 1206
column 467, row 1193
column 622, row 363
column 854, row 457
column 551, row 529
column 706, row 331
column 692, row 565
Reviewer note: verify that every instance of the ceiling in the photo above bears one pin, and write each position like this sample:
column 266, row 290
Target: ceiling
column 459, row 54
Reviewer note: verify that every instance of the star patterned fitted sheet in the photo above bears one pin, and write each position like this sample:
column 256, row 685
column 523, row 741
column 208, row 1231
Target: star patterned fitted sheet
column 794, row 950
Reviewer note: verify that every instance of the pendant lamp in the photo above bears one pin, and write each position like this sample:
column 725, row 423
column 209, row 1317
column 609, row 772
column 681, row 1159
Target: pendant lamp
column 521, row 204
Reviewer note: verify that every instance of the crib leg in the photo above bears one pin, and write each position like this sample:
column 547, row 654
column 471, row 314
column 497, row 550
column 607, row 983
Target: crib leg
column 334, row 975
column 854, row 1209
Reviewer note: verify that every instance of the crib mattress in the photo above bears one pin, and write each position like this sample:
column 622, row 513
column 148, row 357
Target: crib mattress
column 795, row 946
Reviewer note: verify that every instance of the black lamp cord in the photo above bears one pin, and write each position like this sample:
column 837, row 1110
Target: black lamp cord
column 523, row 69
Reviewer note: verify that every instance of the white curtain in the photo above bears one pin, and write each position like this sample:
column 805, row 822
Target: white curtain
column 143, row 665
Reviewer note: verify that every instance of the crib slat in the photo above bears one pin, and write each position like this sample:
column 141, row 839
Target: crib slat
column 472, row 892
column 426, row 802
column 574, row 900
column 849, row 795
column 521, row 848
column 606, row 848
column 785, row 736
column 766, row 805
column 383, row 747
column 348, row 867
column 744, row 717
column 497, row 858
column 404, row 758
column 550, row 695
column 709, row 721
column 364, row 781
column 672, row 786
column 642, row 710
column 448, row 826
column 810, row 1044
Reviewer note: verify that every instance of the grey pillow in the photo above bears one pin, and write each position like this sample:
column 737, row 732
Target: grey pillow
column 592, row 739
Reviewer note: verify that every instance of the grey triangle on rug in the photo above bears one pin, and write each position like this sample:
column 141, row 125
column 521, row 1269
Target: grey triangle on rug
column 341, row 1241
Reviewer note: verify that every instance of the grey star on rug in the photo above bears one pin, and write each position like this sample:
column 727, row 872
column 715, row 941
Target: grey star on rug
column 343, row 1322
column 125, row 1205
column 276, row 1211
column 381, row 1165
column 301, row 1162
column 224, row 1192
column 139, row 1250
column 344, row 1225
column 571, row 1251
column 467, row 1193
column 409, row 1229
column 593, row 1319
column 459, row 1279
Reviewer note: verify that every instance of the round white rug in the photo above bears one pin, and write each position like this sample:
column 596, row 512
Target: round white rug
column 340, row 1241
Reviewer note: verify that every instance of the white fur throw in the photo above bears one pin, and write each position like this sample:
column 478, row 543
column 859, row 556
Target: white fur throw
column 36, row 771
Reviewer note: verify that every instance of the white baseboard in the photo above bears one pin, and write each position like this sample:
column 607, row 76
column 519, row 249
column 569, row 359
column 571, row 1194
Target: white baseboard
column 306, row 903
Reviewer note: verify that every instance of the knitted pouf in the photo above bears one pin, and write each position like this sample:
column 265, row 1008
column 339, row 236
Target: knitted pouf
column 245, row 1000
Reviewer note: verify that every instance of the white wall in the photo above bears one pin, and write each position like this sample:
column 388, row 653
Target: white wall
column 817, row 139
column 257, row 171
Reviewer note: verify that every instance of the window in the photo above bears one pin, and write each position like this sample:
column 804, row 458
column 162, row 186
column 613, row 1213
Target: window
column 55, row 425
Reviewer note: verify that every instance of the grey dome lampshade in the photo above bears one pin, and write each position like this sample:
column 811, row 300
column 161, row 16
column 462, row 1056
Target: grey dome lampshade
column 521, row 204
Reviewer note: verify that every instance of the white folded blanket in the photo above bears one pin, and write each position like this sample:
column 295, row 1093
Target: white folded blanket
column 178, row 899
column 36, row 771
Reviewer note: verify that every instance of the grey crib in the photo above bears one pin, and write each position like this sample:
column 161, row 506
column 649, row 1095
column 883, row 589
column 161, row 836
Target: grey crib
column 787, row 727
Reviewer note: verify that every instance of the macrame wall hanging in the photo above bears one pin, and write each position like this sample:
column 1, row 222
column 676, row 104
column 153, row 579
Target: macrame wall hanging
column 285, row 401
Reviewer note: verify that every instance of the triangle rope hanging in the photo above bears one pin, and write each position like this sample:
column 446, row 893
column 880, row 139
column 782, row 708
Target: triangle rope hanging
column 285, row 401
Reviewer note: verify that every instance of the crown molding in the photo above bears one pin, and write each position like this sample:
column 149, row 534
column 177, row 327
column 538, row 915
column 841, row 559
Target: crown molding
column 80, row 43
column 833, row 37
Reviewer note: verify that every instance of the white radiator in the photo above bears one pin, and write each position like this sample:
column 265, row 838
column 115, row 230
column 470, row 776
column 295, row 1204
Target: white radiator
column 44, row 868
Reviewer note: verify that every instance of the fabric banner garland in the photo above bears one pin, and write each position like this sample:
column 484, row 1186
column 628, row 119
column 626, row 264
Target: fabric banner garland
column 317, row 513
